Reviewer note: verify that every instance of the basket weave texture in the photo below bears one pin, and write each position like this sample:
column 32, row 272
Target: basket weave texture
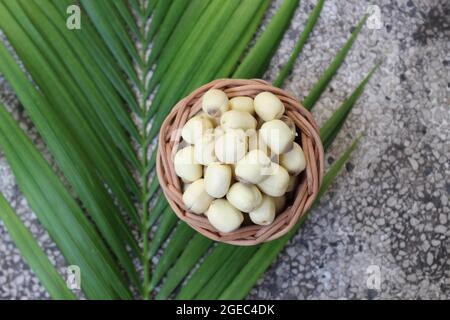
column 308, row 183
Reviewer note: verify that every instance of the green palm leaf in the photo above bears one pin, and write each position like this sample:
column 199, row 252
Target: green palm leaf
column 190, row 256
column 76, row 166
column 206, row 271
column 159, row 15
column 299, row 46
column 166, row 224
column 105, row 27
column 177, row 245
column 332, row 127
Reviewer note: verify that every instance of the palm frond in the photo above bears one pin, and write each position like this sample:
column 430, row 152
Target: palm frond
column 193, row 252
column 189, row 59
column 157, row 209
column 125, row 13
column 166, row 224
column 332, row 127
column 177, row 245
column 159, row 16
column 71, row 159
column 84, row 124
column 261, row 51
column 227, row 273
column 212, row 263
column 180, row 9
column 328, row 133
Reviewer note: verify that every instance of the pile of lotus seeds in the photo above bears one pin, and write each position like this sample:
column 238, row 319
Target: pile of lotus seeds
column 238, row 160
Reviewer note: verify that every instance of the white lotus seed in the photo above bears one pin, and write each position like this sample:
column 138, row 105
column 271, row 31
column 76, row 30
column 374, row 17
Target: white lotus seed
column 251, row 168
column 265, row 213
column 276, row 183
column 217, row 179
column 223, row 216
column 195, row 198
column 294, row 160
column 280, row 202
column 235, row 119
column 204, row 149
column 185, row 165
column 231, row 146
column 215, row 102
column 277, row 135
column 195, row 128
column 242, row 104
column 268, row 106
column 245, row 197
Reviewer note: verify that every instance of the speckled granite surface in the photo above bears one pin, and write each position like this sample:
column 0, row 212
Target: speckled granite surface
column 388, row 213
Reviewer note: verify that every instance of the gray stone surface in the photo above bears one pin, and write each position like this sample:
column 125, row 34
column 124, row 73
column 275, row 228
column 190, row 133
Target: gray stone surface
column 389, row 209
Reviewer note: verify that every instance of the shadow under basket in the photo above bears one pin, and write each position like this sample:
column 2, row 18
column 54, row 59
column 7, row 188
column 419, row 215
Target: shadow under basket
column 308, row 183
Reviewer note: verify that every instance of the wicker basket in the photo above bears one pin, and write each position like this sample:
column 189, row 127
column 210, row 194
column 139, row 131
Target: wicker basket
column 308, row 182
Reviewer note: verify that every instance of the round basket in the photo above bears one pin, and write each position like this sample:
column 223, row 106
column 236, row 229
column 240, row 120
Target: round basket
column 308, row 183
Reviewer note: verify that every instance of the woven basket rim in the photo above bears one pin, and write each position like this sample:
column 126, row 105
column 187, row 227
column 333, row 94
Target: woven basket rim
column 309, row 181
